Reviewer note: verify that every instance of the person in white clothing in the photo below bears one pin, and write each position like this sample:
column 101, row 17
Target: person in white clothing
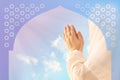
column 98, row 64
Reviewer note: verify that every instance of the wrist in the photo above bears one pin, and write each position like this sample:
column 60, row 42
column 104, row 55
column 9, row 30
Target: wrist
column 76, row 52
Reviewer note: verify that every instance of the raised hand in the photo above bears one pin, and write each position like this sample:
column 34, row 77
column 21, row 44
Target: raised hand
column 73, row 39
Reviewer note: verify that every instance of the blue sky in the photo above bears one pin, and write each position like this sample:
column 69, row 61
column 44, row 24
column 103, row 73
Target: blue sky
column 39, row 51
column 43, row 56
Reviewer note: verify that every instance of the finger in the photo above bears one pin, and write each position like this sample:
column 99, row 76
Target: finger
column 73, row 28
column 68, row 27
column 64, row 36
column 81, row 41
column 68, row 31
column 74, row 31
column 80, row 37
column 67, row 41
column 65, row 31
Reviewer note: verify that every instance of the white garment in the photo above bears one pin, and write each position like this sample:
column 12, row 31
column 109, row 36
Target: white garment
column 98, row 64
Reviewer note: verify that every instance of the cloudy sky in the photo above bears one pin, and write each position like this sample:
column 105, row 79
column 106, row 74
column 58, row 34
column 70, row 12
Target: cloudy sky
column 45, row 67
column 39, row 51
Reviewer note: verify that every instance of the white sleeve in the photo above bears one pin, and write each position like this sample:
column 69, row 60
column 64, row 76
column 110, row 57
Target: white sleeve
column 77, row 69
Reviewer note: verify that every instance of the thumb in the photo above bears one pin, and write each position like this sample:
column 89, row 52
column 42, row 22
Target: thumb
column 79, row 35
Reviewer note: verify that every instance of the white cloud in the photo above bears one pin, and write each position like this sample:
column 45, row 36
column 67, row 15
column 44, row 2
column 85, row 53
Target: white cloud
column 36, row 76
column 27, row 59
column 52, row 65
column 58, row 43
column 53, row 55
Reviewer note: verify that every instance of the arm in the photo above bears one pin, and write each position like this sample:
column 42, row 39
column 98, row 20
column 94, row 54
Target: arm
column 77, row 67
column 76, row 63
column 74, row 42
